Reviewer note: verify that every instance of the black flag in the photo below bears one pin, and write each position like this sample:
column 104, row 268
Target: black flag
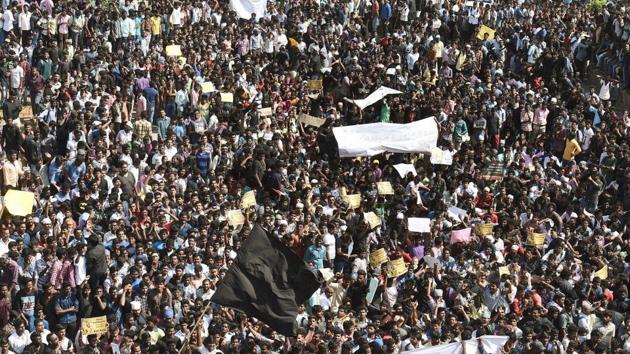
column 267, row 281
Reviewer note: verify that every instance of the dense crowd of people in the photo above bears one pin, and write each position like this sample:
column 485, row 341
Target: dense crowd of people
column 138, row 157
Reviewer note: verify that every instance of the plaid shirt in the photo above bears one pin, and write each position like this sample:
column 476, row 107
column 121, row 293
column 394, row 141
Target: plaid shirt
column 142, row 128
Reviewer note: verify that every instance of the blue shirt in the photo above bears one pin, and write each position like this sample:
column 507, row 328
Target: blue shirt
column 151, row 94
column 66, row 303
column 75, row 171
column 203, row 162
column 315, row 255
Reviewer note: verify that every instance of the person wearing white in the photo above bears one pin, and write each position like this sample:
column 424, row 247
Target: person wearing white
column 20, row 338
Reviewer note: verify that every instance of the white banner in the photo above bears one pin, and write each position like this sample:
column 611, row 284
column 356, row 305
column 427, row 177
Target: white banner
column 374, row 97
column 245, row 8
column 376, row 138
column 490, row 344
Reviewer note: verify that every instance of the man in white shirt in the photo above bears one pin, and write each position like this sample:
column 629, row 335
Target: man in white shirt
column 7, row 19
column 20, row 338
column 24, row 23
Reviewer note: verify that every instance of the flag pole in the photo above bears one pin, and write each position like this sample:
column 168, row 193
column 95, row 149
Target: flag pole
column 187, row 340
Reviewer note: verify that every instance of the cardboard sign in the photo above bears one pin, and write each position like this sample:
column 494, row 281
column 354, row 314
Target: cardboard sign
column 396, row 268
column 235, row 217
column 227, row 97
column 310, row 120
column 504, row 270
column 207, row 87
column 419, row 224
column 536, row 239
column 173, row 50
column 19, row 203
column 372, row 219
column 602, row 273
column 94, row 325
column 353, row 200
column 384, row 188
column 248, row 200
column 441, row 157
column 483, row 30
column 378, row 257
column 265, row 112
column 314, row 85
column 484, row 229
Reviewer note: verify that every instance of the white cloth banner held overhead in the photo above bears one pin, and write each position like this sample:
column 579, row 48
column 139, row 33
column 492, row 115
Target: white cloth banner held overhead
column 245, row 8
column 376, row 138
column 490, row 344
column 374, row 97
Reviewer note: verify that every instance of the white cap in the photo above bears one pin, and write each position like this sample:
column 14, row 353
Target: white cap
column 136, row 305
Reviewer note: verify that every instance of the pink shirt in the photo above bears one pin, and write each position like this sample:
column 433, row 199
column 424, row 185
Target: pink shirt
column 540, row 116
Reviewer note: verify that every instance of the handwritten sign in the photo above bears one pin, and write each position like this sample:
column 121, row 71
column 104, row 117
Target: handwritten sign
column 504, row 270
column 384, row 188
column 227, row 97
column 94, row 325
column 378, row 257
column 602, row 273
column 314, row 85
column 235, row 217
column 19, row 203
column 419, row 224
column 173, row 50
column 310, row 120
column 484, row 229
column 441, row 157
column 207, row 87
column 396, row 268
column 483, row 30
column 372, row 219
column 353, row 200
column 536, row 239
column 248, row 200
column 265, row 112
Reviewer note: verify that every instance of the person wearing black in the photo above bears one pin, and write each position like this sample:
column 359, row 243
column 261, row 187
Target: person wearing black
column 96, row 262
column 10, row 134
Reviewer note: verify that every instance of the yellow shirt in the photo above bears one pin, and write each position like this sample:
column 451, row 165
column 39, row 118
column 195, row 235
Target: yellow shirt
column 156, row 23
column 571, row 149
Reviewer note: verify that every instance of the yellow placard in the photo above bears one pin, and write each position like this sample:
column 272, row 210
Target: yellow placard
column 227, row 97
column 378, row 257
column 536, row 239
column 19, row 203
column 372, row 219
column 384, row 188
column 265, row 112
column 173, row 50
column 602, row 273
column 353, row 200
column 310, row 120
column 94, row 325
column 483, row 29
column 396, row 268
column 207, row 87
column 483, row 229
column 235, row 217
column 314, row 84
column 248, row 200
column 504, row 270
